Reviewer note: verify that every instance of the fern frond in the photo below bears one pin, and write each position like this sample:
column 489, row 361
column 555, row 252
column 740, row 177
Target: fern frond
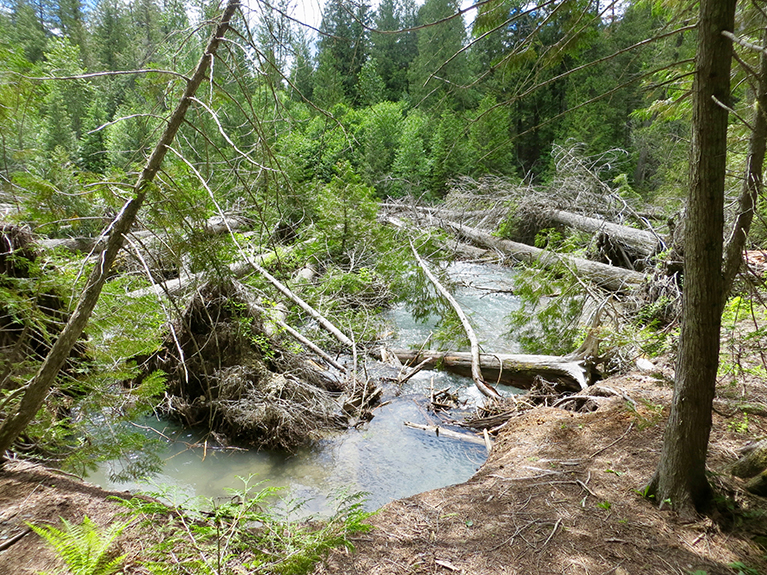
column 85, row 548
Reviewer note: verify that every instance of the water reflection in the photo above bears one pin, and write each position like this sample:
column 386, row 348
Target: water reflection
column 384, row 458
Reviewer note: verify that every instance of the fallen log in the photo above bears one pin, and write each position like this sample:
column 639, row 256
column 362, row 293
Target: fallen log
column 214, row 226
column 185, row 283
column 641, row 241
column 753, row 462
column 608, row 277
column 450, row 434
column 510, row 369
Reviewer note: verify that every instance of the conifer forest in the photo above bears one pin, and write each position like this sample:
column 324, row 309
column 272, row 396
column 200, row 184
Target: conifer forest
column 209, row 210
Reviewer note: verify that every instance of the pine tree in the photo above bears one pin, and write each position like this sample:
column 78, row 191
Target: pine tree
column 371, row 87
column 441, row 69
column 28, row 30
column 393, row 49
column 302, row 73
column 344, row 44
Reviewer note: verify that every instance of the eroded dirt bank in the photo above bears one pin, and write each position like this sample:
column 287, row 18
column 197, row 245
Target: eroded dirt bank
column 557, row 495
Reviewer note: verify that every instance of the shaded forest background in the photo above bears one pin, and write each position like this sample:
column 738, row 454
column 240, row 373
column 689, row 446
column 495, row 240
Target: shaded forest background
column 404, row 97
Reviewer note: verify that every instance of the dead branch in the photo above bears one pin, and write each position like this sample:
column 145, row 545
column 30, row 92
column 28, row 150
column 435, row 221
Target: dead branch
column 476, row 374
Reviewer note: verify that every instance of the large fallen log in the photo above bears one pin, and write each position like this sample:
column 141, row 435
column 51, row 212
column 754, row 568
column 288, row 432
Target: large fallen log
column 608, row 277
column 641, row 241
column 214, row 226
column 510, row 369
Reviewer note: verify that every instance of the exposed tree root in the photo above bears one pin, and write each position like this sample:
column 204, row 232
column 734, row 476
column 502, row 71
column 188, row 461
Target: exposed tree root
column 226, row 374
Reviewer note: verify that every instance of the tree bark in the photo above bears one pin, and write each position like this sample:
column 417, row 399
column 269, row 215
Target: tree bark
column 681, row 475
column 38, row 388
column 752, row 183
column 510, row 369
column 608, row 277
column 640, row 241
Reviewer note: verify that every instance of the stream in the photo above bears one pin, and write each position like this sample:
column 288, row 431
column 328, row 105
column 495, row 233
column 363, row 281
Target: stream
column 384, row 459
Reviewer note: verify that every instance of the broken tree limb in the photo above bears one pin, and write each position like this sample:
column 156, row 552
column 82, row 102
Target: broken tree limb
column 752, row 186
column 476, row 374
column 449, row 433
column 643, row 242
column 509, row 369
column 215, row 225
column 608, row 277
column 37, row 389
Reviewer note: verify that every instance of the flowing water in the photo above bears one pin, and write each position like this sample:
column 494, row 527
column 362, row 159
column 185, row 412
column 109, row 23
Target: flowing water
column 384, row 458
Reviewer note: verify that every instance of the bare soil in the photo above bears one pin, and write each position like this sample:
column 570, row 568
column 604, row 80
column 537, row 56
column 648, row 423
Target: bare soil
column 558, row 494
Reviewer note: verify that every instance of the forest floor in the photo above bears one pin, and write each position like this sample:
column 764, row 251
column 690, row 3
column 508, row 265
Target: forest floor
column 558, row 494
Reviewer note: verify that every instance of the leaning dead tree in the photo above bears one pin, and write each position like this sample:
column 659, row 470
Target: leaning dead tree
column 37, row 389
column 476, row 373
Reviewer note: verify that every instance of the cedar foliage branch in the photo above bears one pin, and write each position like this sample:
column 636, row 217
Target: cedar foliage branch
column 37, row 389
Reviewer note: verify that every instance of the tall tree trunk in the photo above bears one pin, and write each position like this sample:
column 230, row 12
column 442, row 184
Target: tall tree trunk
column 37, row 389
column 681, row 475
column 752, row 183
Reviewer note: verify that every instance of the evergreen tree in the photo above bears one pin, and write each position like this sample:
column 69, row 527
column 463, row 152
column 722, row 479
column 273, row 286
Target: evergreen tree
column 489, row 139
column 274, row 36
column 66, row 100
column 451, row 155
column 302, row 73
column 92, row 153
column 410, row 168
column 393, row 49
column 371, row 87
column 27, row 30
column 329, row 86
column 111, row 35
column 147, row 35
column 343, row 45
column 381, row 128
column 69, row 19
column 440, row 71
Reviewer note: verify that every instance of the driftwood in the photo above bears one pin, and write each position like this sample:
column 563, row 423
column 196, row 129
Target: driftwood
column 608, row 277
column 510, row 369
column 215, row 225
column 641, row 241
column 476, row 374
column 442, row 432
